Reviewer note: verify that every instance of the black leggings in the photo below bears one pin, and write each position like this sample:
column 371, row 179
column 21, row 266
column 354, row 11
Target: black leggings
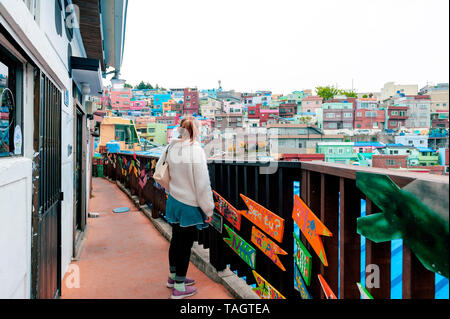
column 180, row 250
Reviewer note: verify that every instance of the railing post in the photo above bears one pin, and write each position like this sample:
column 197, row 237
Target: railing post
column 350, row 240
column 286, row 180
column 379, row 254
column 313, row 201
column 329, row 215
column 418, row 282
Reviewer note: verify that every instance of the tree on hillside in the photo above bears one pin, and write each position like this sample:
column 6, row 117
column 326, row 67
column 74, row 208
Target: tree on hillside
column 128, row 85
column 348, row 93
column 327, row 92
column 365, row 96
column 144, row 86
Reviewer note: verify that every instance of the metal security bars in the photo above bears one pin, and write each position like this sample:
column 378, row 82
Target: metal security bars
column 49, row 190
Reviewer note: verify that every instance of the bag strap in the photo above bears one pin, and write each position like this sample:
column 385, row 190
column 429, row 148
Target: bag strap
column 167, row 153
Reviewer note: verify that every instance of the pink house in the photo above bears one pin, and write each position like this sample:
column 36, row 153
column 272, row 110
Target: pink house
column 232, row 107
column 121, row 98
column 137, row 105
column 266, row 116
column 311, row 104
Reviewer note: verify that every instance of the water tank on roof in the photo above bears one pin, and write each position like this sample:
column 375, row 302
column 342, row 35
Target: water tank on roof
column 113, row 147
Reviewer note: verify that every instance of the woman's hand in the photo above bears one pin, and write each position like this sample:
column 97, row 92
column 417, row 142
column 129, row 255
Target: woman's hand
column 208, row 219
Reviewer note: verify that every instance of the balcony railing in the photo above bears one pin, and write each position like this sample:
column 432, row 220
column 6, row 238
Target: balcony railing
column 334, row 193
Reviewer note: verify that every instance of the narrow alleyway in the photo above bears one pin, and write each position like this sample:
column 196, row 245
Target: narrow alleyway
column 124, row 256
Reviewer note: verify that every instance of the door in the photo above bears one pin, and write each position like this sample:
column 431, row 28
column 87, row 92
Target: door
column 78, row 172
column 49, row 226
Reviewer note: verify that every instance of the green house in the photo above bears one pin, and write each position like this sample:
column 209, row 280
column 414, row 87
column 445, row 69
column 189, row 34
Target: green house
column 428, row 157
column 338, row 152
column 154, row 132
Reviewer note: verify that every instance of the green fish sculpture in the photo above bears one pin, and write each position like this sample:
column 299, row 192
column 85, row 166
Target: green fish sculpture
column 418, row 213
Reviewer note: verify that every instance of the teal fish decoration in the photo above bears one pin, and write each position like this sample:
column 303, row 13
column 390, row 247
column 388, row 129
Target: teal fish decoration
column 418, row 214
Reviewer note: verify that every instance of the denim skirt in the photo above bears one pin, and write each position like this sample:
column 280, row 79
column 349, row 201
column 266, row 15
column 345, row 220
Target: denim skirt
column 185, row 215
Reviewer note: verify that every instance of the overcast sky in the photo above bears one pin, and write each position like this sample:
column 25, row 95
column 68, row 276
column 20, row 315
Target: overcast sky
column 286, row 45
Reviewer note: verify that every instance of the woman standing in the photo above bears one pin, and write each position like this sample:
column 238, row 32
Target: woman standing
column 190, row 203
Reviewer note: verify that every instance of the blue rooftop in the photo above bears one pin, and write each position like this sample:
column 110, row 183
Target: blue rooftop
column 425, row 149
column 393, row 145
column 373, row 144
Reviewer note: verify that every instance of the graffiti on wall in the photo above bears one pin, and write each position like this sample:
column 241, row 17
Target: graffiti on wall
column 272, row 224
column 241, row 247
column 417, row 213
column 264, row 289
column 303, row 260
column 268, row 247
column 299, row 284
column 227, row 210
column 311, row 227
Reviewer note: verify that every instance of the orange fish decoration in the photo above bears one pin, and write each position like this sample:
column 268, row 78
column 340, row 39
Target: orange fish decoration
column 268, row 247
column 269, row 222
column 326, row 289
column 311, row 227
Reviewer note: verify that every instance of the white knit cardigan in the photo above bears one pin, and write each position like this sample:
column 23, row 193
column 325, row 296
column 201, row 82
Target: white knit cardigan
column 189, row 177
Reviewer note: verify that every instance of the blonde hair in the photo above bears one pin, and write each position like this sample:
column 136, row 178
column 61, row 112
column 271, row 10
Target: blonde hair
column 190, row 128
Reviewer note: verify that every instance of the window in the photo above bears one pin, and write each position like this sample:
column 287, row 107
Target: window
column 340, row 151
column 394, row 113
column 330, row 115
column 358, row 125
column 125, row 96
column 391, row 162
column 402, row 113
column 10, row 102
column 300, row 145
column 120, row 135
column 58, row 17
column 251, row 112
column 332, row 125
column 375, row 124
column 330, row 151
column 359, row 114
column 348, row 125
column 348, row 115
column 151, row 130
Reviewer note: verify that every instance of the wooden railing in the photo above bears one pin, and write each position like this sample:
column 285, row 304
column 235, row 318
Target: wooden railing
column 332, row 194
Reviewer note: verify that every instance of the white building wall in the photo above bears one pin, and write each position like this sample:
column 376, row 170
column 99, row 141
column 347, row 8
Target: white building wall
column 49, row 51
column 15, row 228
